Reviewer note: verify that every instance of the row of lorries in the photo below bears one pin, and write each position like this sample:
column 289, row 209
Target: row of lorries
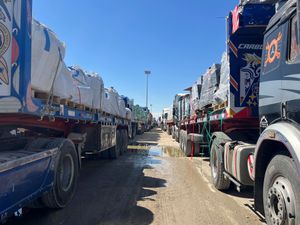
column 245, row 112
column 51, row 115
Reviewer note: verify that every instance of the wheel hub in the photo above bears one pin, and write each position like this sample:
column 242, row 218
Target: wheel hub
column 281, row 206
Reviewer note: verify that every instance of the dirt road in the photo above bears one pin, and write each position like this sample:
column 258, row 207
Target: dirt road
column 155, row 186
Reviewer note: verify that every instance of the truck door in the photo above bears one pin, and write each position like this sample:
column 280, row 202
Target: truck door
column 270, row 95
column 291, row 72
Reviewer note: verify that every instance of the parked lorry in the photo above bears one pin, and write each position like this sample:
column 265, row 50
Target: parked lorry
column 167, row 120
column 43, row 137
column 246, row 111
column 142, row 118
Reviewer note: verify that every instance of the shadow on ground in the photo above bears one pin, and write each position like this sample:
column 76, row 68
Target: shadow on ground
column 107, row 193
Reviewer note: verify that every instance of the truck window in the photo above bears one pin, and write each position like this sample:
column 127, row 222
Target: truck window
column 294, row 45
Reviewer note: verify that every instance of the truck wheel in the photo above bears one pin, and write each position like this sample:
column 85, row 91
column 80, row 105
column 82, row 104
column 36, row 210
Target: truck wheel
column 186, row 144
column 169, row 130
column 119, row 141
column 181, row 140
column 282, row 192
column 65, row 176
column 125, row 141
column 173, row 133
column 177, row 136
column 217, row 167
column 114, row 152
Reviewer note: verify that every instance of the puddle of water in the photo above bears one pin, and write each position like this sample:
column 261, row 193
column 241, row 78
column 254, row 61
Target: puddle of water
column 138, row 147
column 157, row 151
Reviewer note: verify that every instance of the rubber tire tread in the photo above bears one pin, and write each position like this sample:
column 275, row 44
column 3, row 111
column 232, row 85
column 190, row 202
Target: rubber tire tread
column 220, row 182
column 50, row 199
column 125, row 141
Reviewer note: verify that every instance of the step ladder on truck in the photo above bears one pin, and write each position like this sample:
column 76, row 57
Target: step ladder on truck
column 42, row 141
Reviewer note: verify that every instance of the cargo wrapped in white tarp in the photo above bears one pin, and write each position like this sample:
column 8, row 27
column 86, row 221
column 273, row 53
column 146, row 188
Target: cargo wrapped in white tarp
column 84, row 96
column 84, row 93
column 128, row 114
column 78, row 75
column 47, row 55
column 95, row 82
column 110, row 101
column 122, row 108
column 64, row 85
column 221, row 95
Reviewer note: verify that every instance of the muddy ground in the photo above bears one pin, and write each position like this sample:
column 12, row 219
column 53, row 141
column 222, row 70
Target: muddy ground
column 154, row 185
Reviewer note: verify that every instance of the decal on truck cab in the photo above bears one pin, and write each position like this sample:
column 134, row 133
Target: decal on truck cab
column 273, row 50
column 249, row 81
column 5, row 47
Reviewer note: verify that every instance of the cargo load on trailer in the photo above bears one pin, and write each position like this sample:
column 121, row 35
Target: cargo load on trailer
column 51, row 76
column 195, row 94
column 210, row 85
column 222, row 94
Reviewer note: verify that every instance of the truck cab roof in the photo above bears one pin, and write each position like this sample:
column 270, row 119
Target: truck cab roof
column 283, row 13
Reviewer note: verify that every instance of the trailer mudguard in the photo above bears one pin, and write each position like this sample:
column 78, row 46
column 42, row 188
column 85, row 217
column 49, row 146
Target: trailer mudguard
column 287, row 134
column 24, row 178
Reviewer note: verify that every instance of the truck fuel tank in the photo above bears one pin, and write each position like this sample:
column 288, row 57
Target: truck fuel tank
column 235, row 161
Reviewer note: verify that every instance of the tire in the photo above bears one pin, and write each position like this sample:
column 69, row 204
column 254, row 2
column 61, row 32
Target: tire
column 173, row 133
column 185, row 144
column 115, row 151
column 119, row 142
column 217, row 166
column 169, row 130
column 125, row 141
column 181, row 140
column 281, row 192
column 65, row 176
column 177, row 136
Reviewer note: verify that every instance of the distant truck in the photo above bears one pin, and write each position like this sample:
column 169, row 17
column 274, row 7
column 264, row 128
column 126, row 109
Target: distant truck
column 245, row 112
column 141, row 119
column 167, row 120
column 43, row 137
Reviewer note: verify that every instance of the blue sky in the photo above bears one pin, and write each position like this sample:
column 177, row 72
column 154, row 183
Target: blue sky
column 176, row 39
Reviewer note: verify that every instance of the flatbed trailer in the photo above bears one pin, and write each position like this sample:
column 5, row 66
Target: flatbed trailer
column 42, row 141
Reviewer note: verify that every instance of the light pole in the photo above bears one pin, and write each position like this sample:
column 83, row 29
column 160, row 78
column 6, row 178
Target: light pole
column 147, row 73
column 151, row 108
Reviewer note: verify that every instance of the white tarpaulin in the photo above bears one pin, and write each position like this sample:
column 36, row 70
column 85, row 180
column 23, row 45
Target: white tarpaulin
column 64, row 85
column 122, row 108
column 84, row 94
column 49, row 69
column 46, row 60
column 96, row 84
column 110, row 102
column 128, row 114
